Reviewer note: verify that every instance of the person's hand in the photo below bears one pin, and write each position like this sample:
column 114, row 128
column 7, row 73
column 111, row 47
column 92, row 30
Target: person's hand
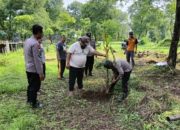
column 67, row 65
column 41, row 76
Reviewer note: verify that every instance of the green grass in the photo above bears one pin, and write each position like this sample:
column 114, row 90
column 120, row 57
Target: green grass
column 148, row 47
column 16, row 115
column 92, row 112
column 12, row 70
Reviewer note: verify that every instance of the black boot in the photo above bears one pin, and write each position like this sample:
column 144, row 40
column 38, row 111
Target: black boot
column 37, row 105
column 90, row 74
column 124, row 96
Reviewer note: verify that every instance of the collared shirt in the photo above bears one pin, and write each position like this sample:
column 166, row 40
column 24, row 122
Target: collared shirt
column 33, row 61
column 79, row 55
column 122, row 66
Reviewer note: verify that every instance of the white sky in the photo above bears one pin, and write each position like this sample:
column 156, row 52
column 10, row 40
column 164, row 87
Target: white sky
column 67, row 2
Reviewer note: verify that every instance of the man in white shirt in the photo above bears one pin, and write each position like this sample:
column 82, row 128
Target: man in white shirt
column 76, row 60
column 122, row 70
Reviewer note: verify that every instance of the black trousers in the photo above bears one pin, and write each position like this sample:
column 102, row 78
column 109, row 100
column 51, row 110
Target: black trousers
column 75, row 73
column 125, row 80
column 44, row 69
column 34, row 84
column 89, row 65
column 62, row 67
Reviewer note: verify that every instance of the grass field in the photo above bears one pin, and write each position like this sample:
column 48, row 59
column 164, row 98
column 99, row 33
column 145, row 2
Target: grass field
column 154, row 95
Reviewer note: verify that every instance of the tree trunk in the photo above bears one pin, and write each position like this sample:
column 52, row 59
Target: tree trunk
column 175, row 39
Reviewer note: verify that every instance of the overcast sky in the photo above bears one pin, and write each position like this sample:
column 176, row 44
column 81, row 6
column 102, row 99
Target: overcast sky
column 67, row 2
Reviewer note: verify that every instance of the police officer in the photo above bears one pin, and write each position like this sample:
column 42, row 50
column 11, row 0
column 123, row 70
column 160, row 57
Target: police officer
column 34, row 66
column 121, row 70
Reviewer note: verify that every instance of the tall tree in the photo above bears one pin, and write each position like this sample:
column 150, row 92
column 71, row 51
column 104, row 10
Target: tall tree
column 175, row 39
column 98, row 11
column 145, row 17
column 170, row 15
column 74, row 10
column 54, row 7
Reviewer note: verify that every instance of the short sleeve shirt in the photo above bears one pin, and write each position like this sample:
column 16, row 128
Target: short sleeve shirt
column 79, row 55
column 132, row 42
column 122, row 66
column 61, row 47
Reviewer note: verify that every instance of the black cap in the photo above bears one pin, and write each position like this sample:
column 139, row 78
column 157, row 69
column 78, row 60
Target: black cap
column 131, row 33
column 88, row 35
column 108, row 64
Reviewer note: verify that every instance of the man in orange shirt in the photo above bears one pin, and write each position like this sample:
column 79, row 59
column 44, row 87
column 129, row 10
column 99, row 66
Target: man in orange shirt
column 131, row 48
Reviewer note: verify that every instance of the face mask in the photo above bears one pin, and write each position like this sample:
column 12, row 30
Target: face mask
column 83, row 46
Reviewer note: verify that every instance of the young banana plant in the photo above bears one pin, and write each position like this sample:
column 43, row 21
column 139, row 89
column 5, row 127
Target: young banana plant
column 108, row 49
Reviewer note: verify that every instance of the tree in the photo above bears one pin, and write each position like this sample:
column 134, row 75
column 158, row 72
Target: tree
column 175, row 39
column 54, row 7
column 111, row 27
column 85, row 25
column 99, row 11
column 170, row 15
column 23, row 23
column 75, row 9
column 11, row 9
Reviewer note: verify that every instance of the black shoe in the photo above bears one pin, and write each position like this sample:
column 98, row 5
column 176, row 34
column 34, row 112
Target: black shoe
column 63, row 78
column 124, row 96
column 37, row 105
column 90, row 74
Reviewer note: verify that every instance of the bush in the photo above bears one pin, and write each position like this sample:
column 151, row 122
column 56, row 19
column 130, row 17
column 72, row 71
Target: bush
column 166, row 42
column 144, row 41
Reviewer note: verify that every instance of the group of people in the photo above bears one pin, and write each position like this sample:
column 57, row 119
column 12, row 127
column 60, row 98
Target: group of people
column 79, row 59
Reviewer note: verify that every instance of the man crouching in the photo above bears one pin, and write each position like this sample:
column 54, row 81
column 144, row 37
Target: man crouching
column 121, row 70
column 76, row 60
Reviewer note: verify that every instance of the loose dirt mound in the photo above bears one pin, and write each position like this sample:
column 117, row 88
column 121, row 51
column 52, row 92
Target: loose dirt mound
column 100, row 95
column 147, row 57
